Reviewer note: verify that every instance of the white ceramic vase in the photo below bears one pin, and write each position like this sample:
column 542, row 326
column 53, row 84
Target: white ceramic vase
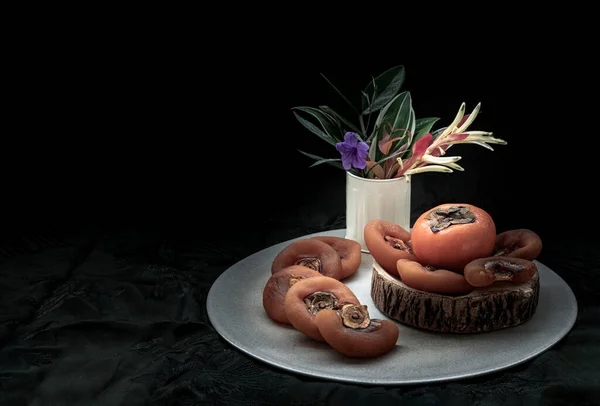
column 375, row 199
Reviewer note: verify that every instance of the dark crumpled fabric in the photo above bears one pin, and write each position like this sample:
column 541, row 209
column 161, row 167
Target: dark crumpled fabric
column 118, row 318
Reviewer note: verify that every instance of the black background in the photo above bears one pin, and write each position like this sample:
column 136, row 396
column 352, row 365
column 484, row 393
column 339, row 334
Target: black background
column 193, row 145
column 171, row 139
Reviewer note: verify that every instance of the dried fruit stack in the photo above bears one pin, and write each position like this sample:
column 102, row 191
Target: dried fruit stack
column 305, row 290
column 453, row 273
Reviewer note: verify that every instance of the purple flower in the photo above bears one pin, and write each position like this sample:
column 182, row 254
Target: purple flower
column 353, row 152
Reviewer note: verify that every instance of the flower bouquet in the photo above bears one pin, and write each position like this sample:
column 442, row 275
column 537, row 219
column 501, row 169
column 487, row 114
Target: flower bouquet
column 384, row 146
column 387, row 140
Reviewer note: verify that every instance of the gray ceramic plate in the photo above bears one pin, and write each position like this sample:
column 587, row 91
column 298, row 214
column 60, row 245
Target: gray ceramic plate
column 235, row 309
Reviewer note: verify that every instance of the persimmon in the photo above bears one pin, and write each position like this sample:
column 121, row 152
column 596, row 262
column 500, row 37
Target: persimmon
column 449, row 236
column 308, row 297
column 429, row 279
column 484, row 272
column 311, row 253
column 350, row 331
column 349, row 251
column 519, row 243
column 388, row 242
column 277, row 287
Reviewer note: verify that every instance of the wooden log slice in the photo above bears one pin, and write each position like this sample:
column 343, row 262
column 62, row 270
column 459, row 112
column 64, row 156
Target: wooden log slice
column 499, row 306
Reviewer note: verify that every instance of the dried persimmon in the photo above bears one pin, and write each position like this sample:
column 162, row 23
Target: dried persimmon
column 277, row 287
column 350, row 331
column 519, row 243
column 309, row 296
column 484, row 272
column 311, row 253
column 388, row 242
column 432, row 280
column 349, row 251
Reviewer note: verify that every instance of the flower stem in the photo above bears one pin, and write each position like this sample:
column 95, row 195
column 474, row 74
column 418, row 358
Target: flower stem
column 362, row 126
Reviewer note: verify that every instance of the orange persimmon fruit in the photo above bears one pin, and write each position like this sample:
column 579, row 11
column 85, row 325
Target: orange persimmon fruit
column 451, row 235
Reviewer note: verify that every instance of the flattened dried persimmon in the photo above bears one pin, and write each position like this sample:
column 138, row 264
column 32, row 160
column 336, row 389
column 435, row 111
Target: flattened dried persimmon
column 350, row 331
column 486, row 271
column 519, row 243
column 349, row 251
column 309, row 296
column 311, row 253
column 387, row 243
column 432, row 280
column 277, row 287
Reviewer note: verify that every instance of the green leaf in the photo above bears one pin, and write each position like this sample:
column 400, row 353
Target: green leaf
column 393, row 105
column 331, row 161
column 413, row 122
column 333, row 113
column 424, row 125
column 340, row 93
column 314, row 129
column 328, row 123
column 400, row 115
column 383, row 89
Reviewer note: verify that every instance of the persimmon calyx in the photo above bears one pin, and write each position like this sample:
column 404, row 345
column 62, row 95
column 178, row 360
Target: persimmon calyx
column 317, row 301
column 440, row 218
column 313, row 263
column 503, row 270
column 355, row 316
column 398, row 244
